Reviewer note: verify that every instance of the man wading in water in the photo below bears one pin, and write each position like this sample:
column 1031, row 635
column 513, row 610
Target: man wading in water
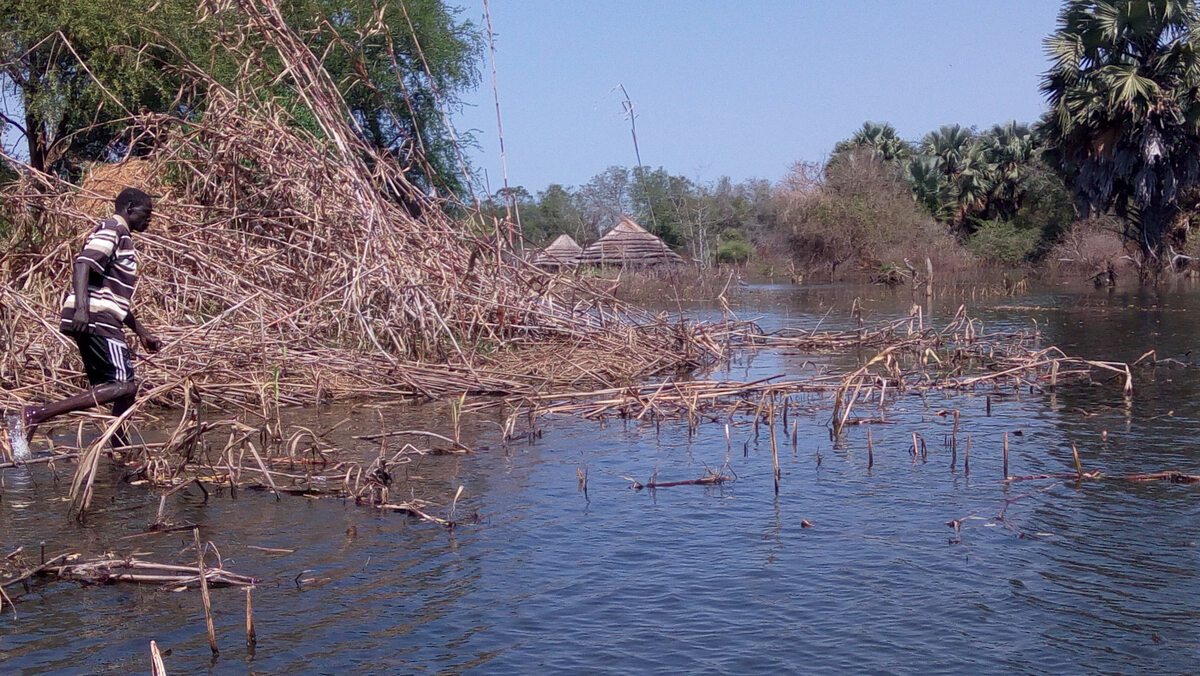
column 93, row 314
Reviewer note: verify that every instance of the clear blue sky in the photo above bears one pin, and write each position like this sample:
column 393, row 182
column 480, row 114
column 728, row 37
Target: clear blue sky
column 741, row 88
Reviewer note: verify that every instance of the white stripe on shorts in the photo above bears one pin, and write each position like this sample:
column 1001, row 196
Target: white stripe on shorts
column 116, row 354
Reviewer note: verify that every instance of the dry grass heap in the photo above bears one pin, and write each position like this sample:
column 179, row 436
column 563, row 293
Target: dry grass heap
column 283, row 265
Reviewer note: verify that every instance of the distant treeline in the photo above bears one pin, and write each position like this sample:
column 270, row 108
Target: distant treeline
column 875, row 201
column 1119, row 145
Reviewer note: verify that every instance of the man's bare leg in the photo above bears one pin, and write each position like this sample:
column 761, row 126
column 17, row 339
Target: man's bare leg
column 121, row 395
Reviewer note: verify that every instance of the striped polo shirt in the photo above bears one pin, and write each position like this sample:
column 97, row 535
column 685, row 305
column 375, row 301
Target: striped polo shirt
column 113, row 263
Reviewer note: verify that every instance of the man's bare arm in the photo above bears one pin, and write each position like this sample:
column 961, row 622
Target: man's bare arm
column 79, row 284
column 151, row 343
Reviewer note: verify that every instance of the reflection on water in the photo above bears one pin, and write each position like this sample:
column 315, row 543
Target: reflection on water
column 1098, row 577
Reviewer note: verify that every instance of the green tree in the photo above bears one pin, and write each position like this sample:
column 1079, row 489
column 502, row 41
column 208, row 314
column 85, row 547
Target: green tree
column 1124, row 118
column 658, row 203
column 557, row 211
column 1008, row 151
column 64, row 113
column 966, row 173
column 929, row 186
column 604, row 199
column 398, row 65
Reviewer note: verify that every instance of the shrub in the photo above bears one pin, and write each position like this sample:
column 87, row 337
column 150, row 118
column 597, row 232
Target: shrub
column 1088, row 245
column 1003, row 242
column 734, row 251
column 861, row 211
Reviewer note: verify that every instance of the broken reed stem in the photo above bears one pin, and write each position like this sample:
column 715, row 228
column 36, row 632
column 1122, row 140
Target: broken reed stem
column 157, row 668
column 870, row 450
column 774, row 447
column 837, row 413
column 728, row 444
column 263, row 468
column 208, row 619
column 251, row 635
column 1078, row 465
column 967, row 458
column 1006, row 455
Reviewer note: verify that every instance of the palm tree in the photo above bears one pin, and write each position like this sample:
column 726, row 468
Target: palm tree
column 967, row 173
column 1008, row 149
column 881, row 139
column 929, row 185
column 1124, row 119
column 949, row 145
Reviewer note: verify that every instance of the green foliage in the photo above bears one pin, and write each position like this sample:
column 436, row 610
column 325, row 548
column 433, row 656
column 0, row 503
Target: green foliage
column 1046, row 207
column 733, row 247
column 135, row 52
column 380, row 68
column 67, row 116
column 734, row 251
column 1124, row 119
column 957, row 175
column 1003, row 242
column 881, row 140
column 658, row 201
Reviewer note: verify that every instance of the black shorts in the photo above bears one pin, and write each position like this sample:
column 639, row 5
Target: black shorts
column 106, row 360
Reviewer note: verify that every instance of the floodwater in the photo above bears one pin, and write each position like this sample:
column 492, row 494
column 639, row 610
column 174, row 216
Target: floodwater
column 1098, row 577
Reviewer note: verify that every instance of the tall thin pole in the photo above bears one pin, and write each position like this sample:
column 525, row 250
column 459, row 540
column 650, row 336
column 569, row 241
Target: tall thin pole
column 627, row 104
column 510, row 205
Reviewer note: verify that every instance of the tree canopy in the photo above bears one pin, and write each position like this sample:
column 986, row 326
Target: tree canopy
column 1124, row 119
column 80, row 68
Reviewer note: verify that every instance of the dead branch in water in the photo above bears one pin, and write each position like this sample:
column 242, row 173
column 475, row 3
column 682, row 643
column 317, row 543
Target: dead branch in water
column 711, row 478
column 109, row 570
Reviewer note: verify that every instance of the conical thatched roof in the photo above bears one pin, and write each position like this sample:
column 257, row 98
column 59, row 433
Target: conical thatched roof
column 563, row 252
column 628, row 245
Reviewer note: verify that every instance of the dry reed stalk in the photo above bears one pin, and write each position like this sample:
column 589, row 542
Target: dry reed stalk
column 157, row 668
column 257, row 210
column 67, row 566
column 870, row 450
column 251, row 634
column 208, row 620
column 1006, row 474
column 711, row 478
column 1169, row 476
column 774, row 447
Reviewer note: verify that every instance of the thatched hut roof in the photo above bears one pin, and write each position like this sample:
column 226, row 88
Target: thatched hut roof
column 563, row 252
column 628, row 245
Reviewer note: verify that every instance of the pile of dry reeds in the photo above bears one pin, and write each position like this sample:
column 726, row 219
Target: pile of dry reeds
column 289, row 261
column 909, row 357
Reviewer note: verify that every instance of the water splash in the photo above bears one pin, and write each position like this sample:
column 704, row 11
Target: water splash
column 14, row 425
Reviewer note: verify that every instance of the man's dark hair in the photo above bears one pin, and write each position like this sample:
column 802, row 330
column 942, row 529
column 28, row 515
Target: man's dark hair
column 129, row 197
